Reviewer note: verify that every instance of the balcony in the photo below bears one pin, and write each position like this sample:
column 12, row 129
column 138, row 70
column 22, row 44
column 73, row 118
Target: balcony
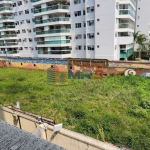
column 133, row 2
column 7, row 27
column 126, row 12
column 126, row 25
column 33, row 1
column 8, row 35
column 5, row 8
column 52, row 20
column 6, row 0
column 12, row 52
column 53, row 42
column 55, row 52
column 54, row 7
column 8, row 44
column 53, row 31
column 6, row 18
column 126, row 53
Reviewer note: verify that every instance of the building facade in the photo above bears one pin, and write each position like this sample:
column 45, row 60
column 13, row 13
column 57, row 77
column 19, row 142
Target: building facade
column 96, row 29
column 143, row 17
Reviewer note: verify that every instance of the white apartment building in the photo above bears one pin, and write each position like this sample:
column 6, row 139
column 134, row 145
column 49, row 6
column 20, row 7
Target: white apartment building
column 97, row 29
column 102, row 28
column 143, row 17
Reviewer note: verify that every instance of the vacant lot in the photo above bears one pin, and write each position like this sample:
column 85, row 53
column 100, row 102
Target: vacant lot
column 115, row 109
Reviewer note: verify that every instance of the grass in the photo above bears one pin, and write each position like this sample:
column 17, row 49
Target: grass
column 115, row 109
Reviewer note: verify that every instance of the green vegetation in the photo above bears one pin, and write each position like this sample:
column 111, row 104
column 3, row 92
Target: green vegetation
column 115, row 109
column 143, row 43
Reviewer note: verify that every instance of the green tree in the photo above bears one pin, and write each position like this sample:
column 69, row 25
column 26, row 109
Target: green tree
column 140, row 39
column 148, row 48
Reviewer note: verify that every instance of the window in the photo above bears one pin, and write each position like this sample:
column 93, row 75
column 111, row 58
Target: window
column 29, row 30
column 84, row 24
column 77, row 13
column 90, row 35
column 23, row 31
column 83, row 12
column 26, row 1
column 79, row 36
column 15, row 14
column 20, row 12
column 90, row 47
column 97, row 19
column 24, row 40
column 84, row 35
column 30, row 39
column 90, row 9
column 19, row 3
column 14, row 5
column 28, row 20
column 27, row 11
column 98, row 5
column 78, row 47
column 90, row 23
column 18, row 32
column 97, row 33
column 78, row 25
column 77, row 1
column 26, row 48
column 22, row 22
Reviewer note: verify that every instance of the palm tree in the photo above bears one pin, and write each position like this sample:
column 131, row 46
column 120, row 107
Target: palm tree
column 148, row 48
column 140, row 40
column 135, row 36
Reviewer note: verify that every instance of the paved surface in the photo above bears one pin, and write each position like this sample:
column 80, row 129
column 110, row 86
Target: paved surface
column 12, row 138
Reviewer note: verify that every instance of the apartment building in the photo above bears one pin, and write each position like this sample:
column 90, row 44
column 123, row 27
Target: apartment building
column 102, row 28
column 35, row 28
column 97, row 29
column 143, row 17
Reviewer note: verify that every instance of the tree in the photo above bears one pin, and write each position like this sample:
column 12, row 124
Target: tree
column 148, row 48
column 140, row 39
column 135, row 36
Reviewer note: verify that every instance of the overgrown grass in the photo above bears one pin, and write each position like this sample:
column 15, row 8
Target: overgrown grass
column 115, row 109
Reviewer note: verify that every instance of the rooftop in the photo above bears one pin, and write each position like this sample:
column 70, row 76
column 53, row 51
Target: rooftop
column 12, row 138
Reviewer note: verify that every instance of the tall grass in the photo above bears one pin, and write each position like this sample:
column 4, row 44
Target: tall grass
column 115, row 109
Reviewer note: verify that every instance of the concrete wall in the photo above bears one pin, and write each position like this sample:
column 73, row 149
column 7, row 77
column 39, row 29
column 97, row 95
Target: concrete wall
column 65, row 138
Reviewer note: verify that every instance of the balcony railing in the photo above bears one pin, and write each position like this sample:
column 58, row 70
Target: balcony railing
column 8, row 44
column 7, row 27
column 8, row 35
column 51, row 20
column 126, row 25
column 54, row 42
column 5, row 8
column 53, row 31
column 50, row 8
column 12, row 52
column 5, row 0
column 7, row 17
column 55, row 52
column 133, row 1
column 126, row 12
column 126, row 53
column 33, row 1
